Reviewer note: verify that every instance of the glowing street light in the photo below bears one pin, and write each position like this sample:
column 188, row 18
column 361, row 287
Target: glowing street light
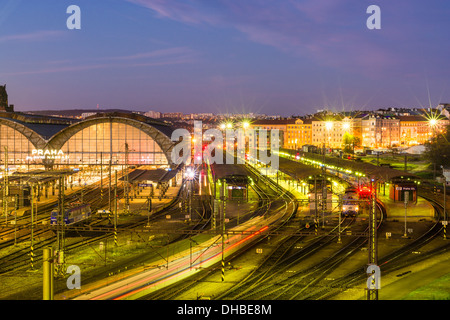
column 189, row 174
column 346, row 126
column 432, row 122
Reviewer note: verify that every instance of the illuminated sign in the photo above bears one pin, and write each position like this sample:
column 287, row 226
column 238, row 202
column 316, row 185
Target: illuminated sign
column 52, row 154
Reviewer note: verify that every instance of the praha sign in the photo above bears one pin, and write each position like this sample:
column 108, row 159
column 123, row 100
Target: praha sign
column 51, row 154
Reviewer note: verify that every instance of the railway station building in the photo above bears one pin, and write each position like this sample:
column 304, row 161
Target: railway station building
column 35, row 142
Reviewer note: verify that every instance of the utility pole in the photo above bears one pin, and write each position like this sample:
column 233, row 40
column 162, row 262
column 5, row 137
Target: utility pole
column 341, row 202
column 5, row 186
column 444, row 222
column 406, row 199
column 101, row 177
column 445, row 209
column 32, row 228
column 61, row 229
column 324, row 196
column 149, row 209
column 372, row 291
column 223, row 228
column 15, row 218
column 315, row 204
column 125, row 181
column 115, row 210
column 48, row 284
column 109, row 188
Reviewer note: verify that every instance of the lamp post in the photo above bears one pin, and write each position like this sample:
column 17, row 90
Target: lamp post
column 444, row 222
column 406, row 198
column 445, row 209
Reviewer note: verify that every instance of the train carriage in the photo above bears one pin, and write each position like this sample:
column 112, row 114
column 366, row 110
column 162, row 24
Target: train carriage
column 73, row 214
column 350, row 203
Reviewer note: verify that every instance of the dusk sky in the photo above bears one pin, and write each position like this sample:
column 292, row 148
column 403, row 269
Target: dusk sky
column 274, row 57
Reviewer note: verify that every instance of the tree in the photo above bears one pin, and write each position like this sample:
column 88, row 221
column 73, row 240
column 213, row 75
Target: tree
column 349, row 142
column 437, row 151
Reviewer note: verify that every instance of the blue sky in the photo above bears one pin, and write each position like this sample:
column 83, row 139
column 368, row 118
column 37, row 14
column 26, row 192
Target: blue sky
column 275, row 57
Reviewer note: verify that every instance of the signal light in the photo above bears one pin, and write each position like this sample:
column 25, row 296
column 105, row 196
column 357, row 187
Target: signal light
column 365, row 192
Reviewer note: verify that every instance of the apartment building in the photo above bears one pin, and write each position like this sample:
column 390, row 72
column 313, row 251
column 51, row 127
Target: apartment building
column 279, row 124
column 298, row 134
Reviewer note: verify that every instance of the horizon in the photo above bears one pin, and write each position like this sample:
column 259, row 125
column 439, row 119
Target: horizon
column 288, row 58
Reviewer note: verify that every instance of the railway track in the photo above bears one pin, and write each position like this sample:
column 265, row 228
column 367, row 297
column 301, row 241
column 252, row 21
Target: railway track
column 269, row 200
column 389, row 263
column 21, row 258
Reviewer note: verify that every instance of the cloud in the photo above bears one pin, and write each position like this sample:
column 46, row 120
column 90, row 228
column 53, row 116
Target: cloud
column 161, row 57
column 32, row 36
column 160, row 53
column 327, row 33
column 188, row 11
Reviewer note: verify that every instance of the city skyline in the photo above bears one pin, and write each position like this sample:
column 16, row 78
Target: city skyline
column 292, row 57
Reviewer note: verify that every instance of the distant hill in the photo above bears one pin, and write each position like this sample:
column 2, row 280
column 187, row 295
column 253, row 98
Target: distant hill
column 74, row 112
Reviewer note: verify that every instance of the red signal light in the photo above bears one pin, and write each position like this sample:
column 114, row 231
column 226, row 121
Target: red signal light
column 365, row 192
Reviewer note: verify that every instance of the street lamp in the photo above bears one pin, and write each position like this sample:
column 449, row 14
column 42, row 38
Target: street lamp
column 189, row 174
column 346, row 126
column 432, row 122
column 445, row 211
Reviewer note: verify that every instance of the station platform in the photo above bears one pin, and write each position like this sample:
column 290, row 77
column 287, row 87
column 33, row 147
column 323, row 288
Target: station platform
column 415, row 211
column 139, row 205
column 70, row 192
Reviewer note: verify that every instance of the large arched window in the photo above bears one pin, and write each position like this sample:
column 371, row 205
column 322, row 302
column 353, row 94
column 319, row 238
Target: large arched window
column 18, row 145
column 103, row 141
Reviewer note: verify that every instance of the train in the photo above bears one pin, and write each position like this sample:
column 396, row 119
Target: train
column 73, row 214
column 350, row 203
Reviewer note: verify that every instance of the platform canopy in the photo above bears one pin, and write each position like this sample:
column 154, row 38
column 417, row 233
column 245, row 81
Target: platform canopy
column 156, row 175
column 380, row 173
column 233, row 173
column 37, row 176
column 298, row 170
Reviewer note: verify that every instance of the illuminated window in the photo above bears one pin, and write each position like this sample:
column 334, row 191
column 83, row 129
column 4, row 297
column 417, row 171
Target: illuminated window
column 113, row 142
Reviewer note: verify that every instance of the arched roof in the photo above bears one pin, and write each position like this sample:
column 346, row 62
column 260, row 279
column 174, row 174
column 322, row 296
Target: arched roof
column 36, row 139
column 153, row 129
